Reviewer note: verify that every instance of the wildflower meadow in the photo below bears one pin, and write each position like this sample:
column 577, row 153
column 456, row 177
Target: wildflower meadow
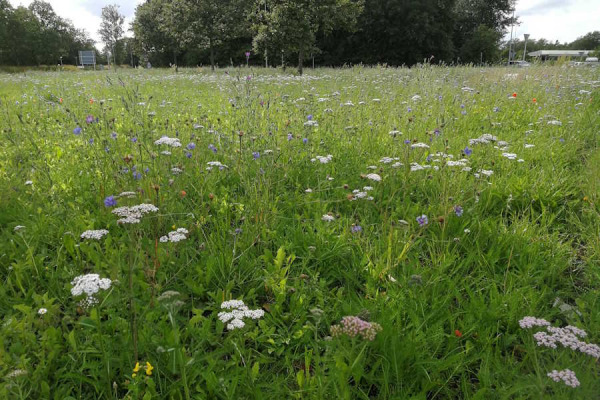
column 356, row 233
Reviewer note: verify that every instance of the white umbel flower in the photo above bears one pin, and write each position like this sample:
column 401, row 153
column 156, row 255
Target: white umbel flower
column 328, row 218
column 235, row 313
column 374, row 177
column 175, row 236
column 133, row 215
column 94, row 234
column 172, row 142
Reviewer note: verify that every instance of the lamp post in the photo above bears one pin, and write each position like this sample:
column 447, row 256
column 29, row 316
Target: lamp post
column 525, row 50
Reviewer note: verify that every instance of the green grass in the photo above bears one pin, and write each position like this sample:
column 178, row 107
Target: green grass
column 449, row 295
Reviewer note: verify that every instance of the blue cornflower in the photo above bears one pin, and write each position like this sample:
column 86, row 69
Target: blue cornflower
column 310, row 117
column 146, row 170
column 89, row 119
column 107, row 149
column 256, row 155
column 110, row 201
column 355, row 228
column 458, row 210
column 134, row 139
column 191, row 146
column 137, row 175
column 290, row 136
column 496, row 109
column 77, row 130
column 408, row 109
column 91, row 141
column 467, row 151
column 462, row 106
column 305, row 140
column 113, row 135
column 423, row 220
column 188, row 154
column 407, row 141
column 212, row 148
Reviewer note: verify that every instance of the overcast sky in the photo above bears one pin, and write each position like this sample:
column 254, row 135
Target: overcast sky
column 562, row 20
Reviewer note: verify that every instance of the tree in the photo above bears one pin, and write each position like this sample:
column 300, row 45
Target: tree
column 209, row 23
column 111, row 28
column 472, row 16
column 295, row 24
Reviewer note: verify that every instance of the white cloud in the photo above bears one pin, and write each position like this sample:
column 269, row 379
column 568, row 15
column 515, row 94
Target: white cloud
column 554, row 20
column 85, row 14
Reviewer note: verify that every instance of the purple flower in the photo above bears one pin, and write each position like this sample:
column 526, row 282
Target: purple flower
column 191, row 146
column 467, row 151
column 290, row 137
column 305, row 140
column 146, row 170
column 256, row 155
column 107, row 149
column 91, row 141
column 188, row 154
column 212, row 148
column 310, row 117
column 356, row 228
column 137, row 175
column 238, row 231
column 436, row 131
column 113, row 135
column 77, row 130
column 110, row 201
column 89, row 119
column 134, row 139
column 408, row 109
column 462, row 106
column 496, row 109
column 247, row 54
column 458, row 210
column 463, row 112
column 423, row 220
column 407, row 141
column 428, row 159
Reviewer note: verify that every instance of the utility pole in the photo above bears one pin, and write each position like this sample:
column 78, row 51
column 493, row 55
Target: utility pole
column 512, row 25
column 525, row 50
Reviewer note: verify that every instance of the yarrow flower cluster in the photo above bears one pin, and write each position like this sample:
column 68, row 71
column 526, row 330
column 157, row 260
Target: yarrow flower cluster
column 172, row 142
column 566, row 375
column 175, row 236
column 323, row 159
column 133, row 215
column 212, row 164
column 94, row 234
column 566, row 337
column 236, row 313
column 374, row 177
column 89, row 284
column 354, row 326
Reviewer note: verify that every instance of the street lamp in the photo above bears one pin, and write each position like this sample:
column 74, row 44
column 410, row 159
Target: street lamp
column 525, row 50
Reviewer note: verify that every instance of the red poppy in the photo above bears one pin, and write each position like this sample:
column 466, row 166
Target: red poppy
column 91, row 101
column 514, row 94
column 457, row 333
column 183, row 194
column 534, row 100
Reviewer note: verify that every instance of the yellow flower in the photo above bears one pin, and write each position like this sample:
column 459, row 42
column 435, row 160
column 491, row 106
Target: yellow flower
column 149, row 368
column 137, row 367
column 133, row 375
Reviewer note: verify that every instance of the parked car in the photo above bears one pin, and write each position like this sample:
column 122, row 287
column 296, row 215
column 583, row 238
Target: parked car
column 519, row 63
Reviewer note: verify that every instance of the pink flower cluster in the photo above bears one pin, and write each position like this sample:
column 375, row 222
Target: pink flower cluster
column 566, row 337
column 530, row 322
column 566, row 375
column 354, row 326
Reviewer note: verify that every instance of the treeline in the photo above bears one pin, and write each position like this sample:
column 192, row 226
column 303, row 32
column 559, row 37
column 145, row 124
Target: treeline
column 275, row 32
column 35, row 35
column 330, row 32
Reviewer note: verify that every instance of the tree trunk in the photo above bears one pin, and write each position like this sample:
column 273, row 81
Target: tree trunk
column 175, row 61
column 300, row 60
column 212, row 55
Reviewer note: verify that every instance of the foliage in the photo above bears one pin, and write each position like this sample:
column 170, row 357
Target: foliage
column 279, row 231
column 111, row 28
column 36, row 36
